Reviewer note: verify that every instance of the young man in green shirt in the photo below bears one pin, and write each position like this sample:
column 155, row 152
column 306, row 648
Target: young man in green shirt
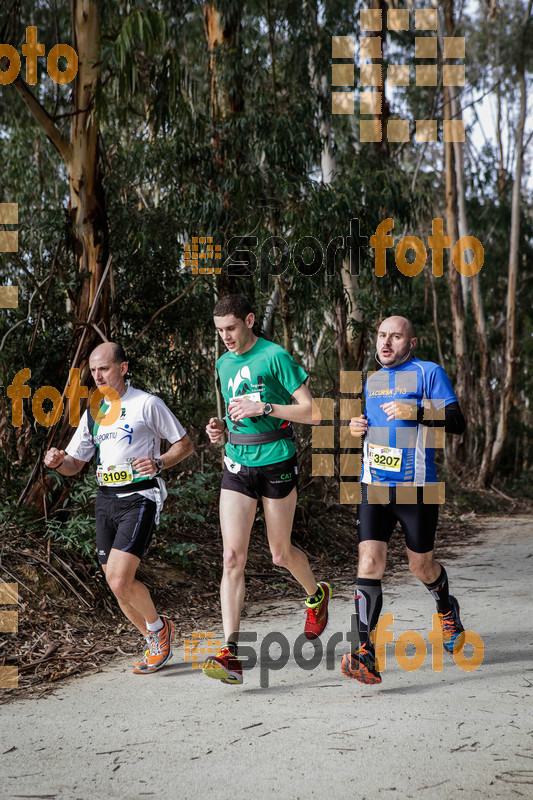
column 264, row 392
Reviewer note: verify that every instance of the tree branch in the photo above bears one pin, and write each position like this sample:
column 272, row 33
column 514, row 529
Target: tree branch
column 44, row 119
column 160, row 310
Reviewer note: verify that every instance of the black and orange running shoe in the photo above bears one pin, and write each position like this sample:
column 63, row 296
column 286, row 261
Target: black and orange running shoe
column 225, row 666
column 317, row 612
column 159, row 649
column 361, row 665
column 453, row 633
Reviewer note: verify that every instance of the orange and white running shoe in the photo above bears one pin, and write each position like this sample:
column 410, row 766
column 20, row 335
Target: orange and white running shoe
column 159, row 649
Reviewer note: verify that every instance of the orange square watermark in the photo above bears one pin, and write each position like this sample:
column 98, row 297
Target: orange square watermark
column 370, row 130
column 350, row 492
column 323, row 464
column 9, row 594
column 454, row 47
column 406, row 494
column 347, row 438
column 342, row 74
column 350, row 464
column 192, row 255
column 9, row 296
column 323, row 437
column 9, row 621
column 453, row 130
column 343, row 46
column 453, row 75
column 351, row 381
column 426, row 19
column 350, row 408
column 426, row 47
column 398, row 19
column 370, row 47
column 370, row 75
column 370, row 102
column 426, row 75
column 370, row 19
column 426, row 130
column 398, row 74
column 342, row 102
column 9, row 677
column 398, row 130
column 434, row 493
column 201, row 643
column 377, row 495
column 323, row 408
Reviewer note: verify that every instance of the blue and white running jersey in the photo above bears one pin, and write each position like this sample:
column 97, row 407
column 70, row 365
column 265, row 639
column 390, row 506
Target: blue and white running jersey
column 403, row 451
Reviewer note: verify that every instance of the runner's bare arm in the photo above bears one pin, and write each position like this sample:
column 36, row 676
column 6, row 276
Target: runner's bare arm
column 358, row 425
column 63, row 463
column 214, row 429
column 300, row 410
column 394, row 409
column 175, row 453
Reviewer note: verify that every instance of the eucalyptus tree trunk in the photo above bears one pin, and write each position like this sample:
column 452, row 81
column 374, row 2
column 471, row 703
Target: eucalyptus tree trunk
column 349, row 316
column 89, row 228
column 452, row 230
column 222, row 32
column 508, row 388
column 79, row 153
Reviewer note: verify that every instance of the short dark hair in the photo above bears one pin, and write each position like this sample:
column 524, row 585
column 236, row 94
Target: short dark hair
column 119, row 354
column 234, row 304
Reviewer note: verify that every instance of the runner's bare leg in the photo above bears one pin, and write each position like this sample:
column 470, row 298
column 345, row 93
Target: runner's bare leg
column 279, row 516
column 237, row 513
column 132, row 595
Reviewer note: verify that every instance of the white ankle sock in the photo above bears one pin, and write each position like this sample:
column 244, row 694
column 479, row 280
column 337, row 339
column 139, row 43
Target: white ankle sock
column 156, row 626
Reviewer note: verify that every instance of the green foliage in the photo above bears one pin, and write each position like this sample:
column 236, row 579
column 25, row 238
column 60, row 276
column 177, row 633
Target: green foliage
column 178, row 553
column 72, row 526
column 193, row 501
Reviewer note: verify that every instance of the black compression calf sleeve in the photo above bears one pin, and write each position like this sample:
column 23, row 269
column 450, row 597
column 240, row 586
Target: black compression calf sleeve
column 440, row 591
column 368, row 604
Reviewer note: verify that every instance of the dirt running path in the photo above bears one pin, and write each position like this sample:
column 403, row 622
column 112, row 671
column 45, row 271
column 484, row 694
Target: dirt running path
column 312, row 733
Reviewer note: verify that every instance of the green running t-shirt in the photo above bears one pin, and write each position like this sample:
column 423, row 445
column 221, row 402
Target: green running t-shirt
column 268, row 374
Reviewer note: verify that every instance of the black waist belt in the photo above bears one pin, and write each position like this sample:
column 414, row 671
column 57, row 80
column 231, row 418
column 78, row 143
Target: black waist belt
column 262, row 438
column 137, row 486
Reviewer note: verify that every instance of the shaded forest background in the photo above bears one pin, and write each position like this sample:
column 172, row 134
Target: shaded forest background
column 214, row 119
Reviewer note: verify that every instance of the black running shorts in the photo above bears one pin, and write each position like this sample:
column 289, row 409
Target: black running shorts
column 123, row 523
column 273, row 480
column 376, row 521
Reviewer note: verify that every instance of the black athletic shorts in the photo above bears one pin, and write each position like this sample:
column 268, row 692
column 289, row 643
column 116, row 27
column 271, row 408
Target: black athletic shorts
column 273, row 480
column 418, row 520
column 123, row 523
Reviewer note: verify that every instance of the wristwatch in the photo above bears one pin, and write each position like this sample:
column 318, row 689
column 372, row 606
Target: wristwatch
column 267, row 410
column 159, row 464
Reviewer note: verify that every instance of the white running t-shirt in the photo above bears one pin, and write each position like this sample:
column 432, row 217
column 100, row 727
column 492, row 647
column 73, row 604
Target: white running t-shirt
column 143, row 422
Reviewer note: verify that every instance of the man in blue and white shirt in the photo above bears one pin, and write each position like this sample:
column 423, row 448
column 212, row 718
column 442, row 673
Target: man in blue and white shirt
column 408, row 403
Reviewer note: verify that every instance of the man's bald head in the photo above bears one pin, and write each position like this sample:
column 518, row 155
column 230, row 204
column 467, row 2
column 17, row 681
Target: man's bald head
column 111, row 351
column 402, row 323
column 395, row 341
column 108, row 365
